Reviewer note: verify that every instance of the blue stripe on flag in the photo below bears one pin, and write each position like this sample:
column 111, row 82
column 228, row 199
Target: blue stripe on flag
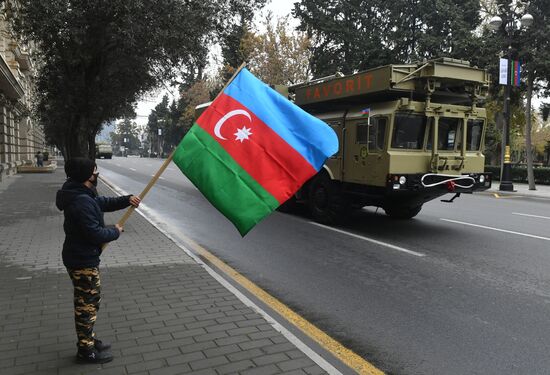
column 308, row 135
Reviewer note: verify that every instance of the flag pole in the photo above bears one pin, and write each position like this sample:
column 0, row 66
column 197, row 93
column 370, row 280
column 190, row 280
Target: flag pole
column 164, row 165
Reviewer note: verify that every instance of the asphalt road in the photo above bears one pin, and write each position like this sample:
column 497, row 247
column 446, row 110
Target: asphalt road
column 463, row 288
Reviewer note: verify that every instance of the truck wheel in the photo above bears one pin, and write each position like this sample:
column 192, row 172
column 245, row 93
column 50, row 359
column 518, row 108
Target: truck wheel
column 402, row 213
column 326, row 204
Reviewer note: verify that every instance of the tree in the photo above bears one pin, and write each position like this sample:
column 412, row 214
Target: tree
column 346, row 35
column 126, row 135
column 353, row 35
column 278, row 56
column 425, row 29
column 198, row 93
column 532, row 48
column 157, row 121
column 230, row 40
column 98, row 57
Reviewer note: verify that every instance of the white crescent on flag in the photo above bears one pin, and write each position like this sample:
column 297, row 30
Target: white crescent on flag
column 219, row 124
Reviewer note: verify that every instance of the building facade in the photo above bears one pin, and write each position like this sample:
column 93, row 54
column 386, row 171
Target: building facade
column 20, row 137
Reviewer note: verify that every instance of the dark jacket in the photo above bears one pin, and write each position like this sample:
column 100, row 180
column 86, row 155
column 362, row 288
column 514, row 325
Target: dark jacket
column 84, row 227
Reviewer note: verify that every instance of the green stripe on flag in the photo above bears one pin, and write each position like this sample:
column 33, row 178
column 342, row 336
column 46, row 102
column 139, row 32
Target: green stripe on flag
column 222, row 181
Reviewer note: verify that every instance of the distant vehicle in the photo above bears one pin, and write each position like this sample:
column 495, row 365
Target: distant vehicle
column 103, row 151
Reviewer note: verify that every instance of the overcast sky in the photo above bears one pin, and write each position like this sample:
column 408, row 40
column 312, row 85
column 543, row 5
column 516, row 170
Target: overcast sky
column 279, row 8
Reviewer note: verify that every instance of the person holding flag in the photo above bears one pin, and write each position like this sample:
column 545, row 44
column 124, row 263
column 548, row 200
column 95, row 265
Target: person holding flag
column 85, row 234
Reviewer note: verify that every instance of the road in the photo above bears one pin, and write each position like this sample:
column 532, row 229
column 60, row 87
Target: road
column 463, row 288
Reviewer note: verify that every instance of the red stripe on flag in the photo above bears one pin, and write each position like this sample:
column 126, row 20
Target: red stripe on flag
column 265, row 156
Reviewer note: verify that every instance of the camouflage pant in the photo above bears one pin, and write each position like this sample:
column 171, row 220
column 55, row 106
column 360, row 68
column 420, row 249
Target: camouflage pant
column 87, row 296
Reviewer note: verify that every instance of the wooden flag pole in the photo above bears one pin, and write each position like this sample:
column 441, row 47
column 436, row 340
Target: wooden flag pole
column 231, row 79
column 142, row 195
column 164, row 165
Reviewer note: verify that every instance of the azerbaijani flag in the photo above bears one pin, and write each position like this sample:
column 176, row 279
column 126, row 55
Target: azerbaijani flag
column 516, row 73
column 252, row 149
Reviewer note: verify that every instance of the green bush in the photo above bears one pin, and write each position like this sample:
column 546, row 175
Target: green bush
column 519, row 174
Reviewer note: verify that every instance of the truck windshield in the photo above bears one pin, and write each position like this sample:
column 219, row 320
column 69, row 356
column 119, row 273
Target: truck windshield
column 448, row 131
column 408, row 131
column 474, row 131
column 473, row 135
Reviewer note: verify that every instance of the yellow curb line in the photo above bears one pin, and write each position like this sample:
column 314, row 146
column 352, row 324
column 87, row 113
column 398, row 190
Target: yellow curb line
column 348, row 357
column 506, row 196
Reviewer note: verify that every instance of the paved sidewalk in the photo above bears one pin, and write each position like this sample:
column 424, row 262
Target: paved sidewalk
column 543, row 191
column 163, row 312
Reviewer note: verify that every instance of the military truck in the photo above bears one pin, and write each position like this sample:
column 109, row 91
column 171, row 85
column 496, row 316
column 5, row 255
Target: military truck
column 103, row 150
column 408, row 134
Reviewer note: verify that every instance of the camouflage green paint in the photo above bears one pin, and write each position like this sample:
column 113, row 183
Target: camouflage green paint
column 87, row 296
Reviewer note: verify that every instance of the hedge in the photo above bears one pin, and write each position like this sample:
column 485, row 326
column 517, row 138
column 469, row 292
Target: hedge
column 519, row 174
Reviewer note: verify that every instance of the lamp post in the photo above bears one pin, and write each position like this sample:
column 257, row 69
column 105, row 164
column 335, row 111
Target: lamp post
column 160, row 144
column 510, row 24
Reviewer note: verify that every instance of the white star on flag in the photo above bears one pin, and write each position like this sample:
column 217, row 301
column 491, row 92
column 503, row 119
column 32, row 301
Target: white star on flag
column 242, row 134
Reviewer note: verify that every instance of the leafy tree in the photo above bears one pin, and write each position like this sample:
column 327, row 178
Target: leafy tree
column 278, row 56
column 531, row 47
column 174, row 129
column 198, row 93
column 346, row 35
column 534, row 50
column 352, row 35
column 126, row 135
column 157, row 121
column 98, row 57
column 236, row 28
column 425, row 29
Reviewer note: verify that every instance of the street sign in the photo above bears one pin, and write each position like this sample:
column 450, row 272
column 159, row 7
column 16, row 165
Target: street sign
column 503, row 72
column 515, row 79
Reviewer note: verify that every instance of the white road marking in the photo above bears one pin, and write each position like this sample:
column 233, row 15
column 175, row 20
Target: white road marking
column 133, row 169
column 537, row 216
column 371, row 240
column 162, row 178
column 497, row 229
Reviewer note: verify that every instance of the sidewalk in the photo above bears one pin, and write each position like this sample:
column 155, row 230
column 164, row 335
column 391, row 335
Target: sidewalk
column 543, row 191
column 162, row 311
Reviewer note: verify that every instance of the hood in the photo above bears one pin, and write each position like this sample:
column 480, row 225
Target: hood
column 68, row 193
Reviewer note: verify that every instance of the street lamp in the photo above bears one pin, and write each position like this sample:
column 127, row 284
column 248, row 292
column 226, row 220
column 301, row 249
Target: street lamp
column 510, row 24
column 160, row 144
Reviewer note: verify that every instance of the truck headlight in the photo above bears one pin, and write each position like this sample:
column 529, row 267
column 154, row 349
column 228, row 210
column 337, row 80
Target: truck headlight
column 481, row 178
column 402, row 180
